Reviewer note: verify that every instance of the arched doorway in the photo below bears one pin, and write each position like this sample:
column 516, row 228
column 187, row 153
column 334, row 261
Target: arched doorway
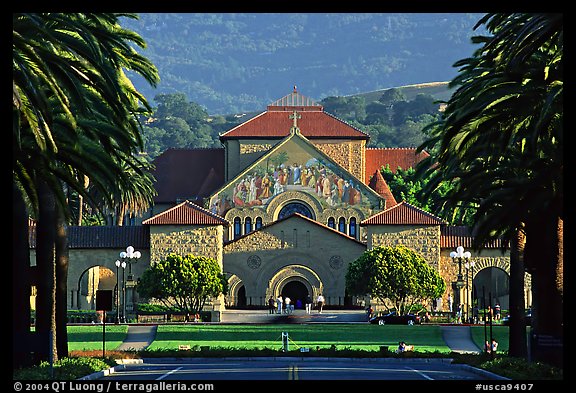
column 241, row 297
column 494, row 283
column 91, row 280
column 295, row 290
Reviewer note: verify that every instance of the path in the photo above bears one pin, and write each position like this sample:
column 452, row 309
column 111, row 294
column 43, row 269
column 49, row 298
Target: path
column 139, row 337
column 459, row 339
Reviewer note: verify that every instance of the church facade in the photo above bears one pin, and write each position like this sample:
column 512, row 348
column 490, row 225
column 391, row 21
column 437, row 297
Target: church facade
column 289, row 201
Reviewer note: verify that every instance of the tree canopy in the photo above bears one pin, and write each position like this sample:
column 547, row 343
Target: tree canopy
column 397, row 276
column 184, row 282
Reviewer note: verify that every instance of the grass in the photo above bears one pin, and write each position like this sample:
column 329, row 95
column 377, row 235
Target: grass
column 356, row 337
column 86, row 338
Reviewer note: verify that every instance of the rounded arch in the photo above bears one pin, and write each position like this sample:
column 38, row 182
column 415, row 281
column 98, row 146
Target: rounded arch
column 302, row 274
column 491, row 284
column 295, row 207
column 287, row 197
column 236, row 291
column 91, row 279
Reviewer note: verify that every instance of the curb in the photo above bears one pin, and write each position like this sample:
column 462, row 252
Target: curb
column 104, row 373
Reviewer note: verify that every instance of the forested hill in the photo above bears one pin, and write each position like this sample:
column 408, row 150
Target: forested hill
column 236, row 63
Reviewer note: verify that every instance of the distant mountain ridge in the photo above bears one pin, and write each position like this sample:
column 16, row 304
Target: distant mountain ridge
column 238, row 63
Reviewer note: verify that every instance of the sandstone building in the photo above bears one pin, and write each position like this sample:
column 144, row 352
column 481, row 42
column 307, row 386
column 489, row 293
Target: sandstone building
column 292, row 197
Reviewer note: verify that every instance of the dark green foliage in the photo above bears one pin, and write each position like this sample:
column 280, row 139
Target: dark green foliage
column 396, row 276
column 69, row 368
column 183, row 282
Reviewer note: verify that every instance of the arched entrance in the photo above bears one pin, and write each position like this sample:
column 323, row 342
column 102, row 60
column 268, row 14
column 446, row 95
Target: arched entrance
column 241, row 297
column 492, row 282
column 295, row 290
column 91, row 280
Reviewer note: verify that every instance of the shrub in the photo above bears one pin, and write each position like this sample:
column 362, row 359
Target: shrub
column 64, row 369
column 517, row 368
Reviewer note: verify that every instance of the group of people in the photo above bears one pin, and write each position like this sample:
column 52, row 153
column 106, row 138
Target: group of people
column 283, row 305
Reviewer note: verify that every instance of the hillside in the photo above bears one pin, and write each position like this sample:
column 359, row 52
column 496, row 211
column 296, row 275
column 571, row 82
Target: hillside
column 238, row 63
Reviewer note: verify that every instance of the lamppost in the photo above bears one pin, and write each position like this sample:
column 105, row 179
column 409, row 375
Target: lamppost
column 117, row 263
column 469, row 265
column 128, row 257
column 458, row 255
column 123, row 265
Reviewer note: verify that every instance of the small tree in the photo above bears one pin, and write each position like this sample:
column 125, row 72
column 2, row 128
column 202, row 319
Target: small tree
column 395, row 276
column 183, row 282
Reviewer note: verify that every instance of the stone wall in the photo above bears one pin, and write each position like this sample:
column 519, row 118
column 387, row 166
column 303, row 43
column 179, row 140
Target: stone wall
column 189, row 239
column 294, row 249
column 424, row 239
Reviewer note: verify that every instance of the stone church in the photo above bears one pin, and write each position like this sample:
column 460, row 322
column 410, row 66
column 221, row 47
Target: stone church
column 289, row 201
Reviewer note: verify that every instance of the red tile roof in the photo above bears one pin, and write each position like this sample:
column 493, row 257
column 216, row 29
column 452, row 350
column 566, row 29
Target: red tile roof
column 458, row 235
column 186, row 213
column 313, row 124
column 403, row 214
column 397, row 157
column 191, row 174
column 378, row 184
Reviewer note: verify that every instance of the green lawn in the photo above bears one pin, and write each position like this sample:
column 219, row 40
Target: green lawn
column 90, row 337
column 361, row 337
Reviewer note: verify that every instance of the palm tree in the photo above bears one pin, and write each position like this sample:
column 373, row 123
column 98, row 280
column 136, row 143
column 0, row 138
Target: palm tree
column 75, row 114
column 500, row 145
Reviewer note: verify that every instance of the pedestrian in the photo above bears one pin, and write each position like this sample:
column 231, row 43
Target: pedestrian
column 271, row 305
column 475, row 314
column 497, row 312
column 320, row 302
column 279, row 301
column 287, row 304
column 450, row 302
column 459, row 313
column 308, row 303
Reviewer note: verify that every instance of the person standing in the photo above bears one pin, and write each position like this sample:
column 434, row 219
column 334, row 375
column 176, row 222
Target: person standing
column 320, row 302
column 279, row 304
column 450, row 302
column 497, row 312
column 308, row 303
column 287, row 304
column 271, row 305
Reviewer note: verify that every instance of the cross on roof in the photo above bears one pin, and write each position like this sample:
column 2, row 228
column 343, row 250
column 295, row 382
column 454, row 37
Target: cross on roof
column 295, row 116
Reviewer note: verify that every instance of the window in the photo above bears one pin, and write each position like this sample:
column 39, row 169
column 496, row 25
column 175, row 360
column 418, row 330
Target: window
column 342, row 225
column 258, row 223
column 237, row 227
column 247, row 225
column 352, row 227
column 332, row 223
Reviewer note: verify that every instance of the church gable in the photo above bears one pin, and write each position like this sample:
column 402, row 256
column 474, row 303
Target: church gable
column 295, row 165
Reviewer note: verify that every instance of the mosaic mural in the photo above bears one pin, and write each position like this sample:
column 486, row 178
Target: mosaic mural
column 291, row 168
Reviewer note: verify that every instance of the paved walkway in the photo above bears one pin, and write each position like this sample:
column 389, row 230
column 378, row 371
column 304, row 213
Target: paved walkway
column 139, row 337
column 458, row 338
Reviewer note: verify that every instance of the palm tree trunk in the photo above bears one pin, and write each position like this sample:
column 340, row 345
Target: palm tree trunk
column 61, row 243
column 517, row 341
column 21, row 272
column 543, row 252
column 46, row 268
